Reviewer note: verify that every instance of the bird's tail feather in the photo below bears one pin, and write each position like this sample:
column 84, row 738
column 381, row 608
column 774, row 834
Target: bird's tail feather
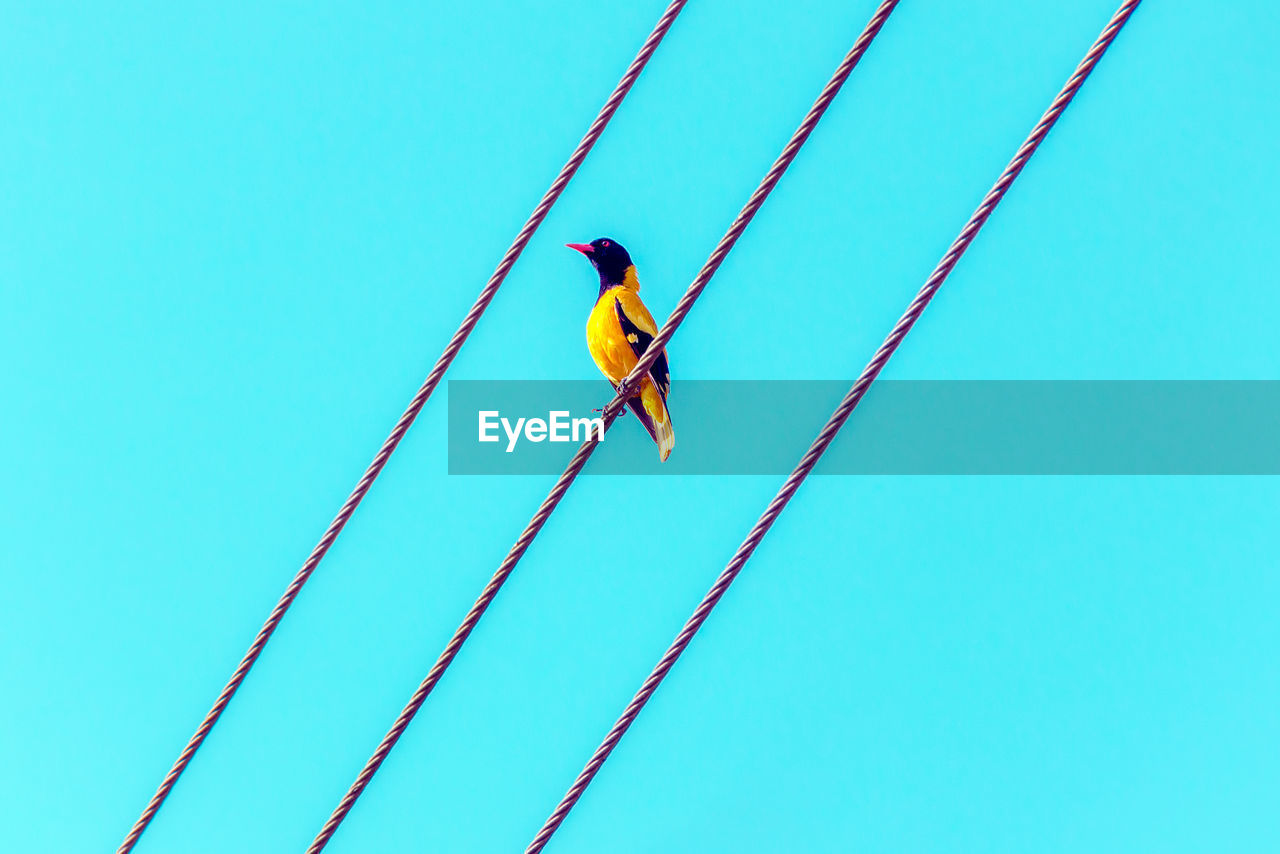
column 651, row 410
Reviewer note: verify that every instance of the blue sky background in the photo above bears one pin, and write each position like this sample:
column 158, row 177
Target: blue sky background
column 234, row 238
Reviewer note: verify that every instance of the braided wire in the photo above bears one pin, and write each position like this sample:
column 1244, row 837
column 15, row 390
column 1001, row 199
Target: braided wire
column 833, row 425
column 609, row 414
column 406, row 420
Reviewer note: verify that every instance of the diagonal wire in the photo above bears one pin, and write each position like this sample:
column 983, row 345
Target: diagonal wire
column 406, row 420
column 610, row 413
column 833, row 425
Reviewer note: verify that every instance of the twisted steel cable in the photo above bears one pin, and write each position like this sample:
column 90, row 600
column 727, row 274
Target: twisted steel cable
column 609, row 414
column 406, row 420
column 833, row 425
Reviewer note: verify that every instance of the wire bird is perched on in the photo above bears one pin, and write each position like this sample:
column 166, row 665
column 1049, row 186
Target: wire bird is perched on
column 619, row 330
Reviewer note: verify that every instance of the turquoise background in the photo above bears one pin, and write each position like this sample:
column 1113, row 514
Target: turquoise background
column 235, row 236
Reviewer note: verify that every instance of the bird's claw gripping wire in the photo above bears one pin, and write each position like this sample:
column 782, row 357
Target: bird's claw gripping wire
column 600, row 409
column 622, row 390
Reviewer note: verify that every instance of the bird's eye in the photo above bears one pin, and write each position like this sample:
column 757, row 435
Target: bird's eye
column 604, row 244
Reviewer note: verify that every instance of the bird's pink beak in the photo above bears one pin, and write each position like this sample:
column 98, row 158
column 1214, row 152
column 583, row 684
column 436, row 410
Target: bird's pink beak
column 584, row 248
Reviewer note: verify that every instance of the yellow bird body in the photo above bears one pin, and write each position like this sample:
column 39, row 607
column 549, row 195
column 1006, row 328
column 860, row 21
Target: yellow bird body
column 610, row 349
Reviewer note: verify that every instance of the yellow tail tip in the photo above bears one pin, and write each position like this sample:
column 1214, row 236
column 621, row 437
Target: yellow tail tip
column 666, row 441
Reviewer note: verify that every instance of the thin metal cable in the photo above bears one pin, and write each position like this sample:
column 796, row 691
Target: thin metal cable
column 406, row 420
column 833, row 426
column 609, row 414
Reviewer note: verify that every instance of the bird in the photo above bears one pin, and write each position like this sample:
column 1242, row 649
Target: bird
column 619, row 331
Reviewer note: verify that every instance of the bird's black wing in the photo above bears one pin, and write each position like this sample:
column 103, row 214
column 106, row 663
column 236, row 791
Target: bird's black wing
column 640, row 341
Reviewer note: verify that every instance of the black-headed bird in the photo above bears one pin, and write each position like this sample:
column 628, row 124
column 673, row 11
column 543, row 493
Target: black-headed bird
column 619, row 330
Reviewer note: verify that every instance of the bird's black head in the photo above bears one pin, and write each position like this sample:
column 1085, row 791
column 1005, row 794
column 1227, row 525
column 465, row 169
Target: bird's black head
column 609, row 258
